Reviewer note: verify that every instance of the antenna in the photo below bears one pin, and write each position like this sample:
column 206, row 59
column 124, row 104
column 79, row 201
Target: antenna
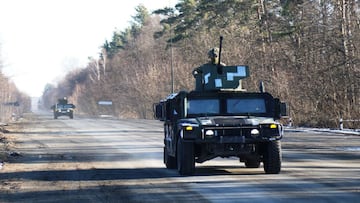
column 219, row 67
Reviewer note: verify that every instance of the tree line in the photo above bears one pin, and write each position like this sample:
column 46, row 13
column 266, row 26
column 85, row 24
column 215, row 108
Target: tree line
column 13, row 102
column 306, row 52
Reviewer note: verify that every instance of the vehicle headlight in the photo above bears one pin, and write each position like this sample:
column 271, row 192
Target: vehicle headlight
column 209, row 133
column 254, row 132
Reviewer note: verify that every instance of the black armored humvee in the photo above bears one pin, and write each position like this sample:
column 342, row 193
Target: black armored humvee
column 218, row 119
column 63, row 108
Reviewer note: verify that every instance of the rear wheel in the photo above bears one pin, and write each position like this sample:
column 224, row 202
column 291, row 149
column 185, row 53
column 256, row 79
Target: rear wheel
column 272, row 157
column 170, row 162
column 185, row 157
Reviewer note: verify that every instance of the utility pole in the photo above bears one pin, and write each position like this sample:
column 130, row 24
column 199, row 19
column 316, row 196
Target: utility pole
column 171, row 56
column 171, row 63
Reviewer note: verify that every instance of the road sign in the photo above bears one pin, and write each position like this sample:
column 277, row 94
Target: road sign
column 105, row 103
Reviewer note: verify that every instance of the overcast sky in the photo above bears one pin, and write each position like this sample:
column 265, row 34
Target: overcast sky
column 40, row 40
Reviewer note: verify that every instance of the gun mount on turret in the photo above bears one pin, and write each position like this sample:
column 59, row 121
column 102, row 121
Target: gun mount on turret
column 221, row 119
column 218, row 76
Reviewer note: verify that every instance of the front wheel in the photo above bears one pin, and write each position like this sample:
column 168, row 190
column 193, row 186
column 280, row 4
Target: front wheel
column 170, row 162
column 185, row 157
column 272, row 157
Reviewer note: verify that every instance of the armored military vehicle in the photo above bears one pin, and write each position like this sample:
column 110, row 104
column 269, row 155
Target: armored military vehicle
column 63, row 108
column 220, row 119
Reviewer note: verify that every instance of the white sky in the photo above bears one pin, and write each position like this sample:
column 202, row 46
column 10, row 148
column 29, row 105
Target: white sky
column 40, row 40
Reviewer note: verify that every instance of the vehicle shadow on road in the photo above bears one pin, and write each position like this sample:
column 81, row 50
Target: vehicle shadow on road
column 226, row 170
column 121, row 174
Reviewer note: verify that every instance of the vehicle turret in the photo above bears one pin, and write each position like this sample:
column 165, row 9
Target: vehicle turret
column 215, row 75
column 63, row 101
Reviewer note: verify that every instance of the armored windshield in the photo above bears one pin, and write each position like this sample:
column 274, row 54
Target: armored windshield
column 203, row 106
column 245, row 105
column 227, row 106
column 65, row 106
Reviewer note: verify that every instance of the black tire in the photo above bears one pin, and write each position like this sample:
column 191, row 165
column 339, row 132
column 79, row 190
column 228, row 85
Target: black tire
column 272, row 157
column 185, row 157
column 71, row 116
column 252, row 163
column 170, row 162
column 55, row 116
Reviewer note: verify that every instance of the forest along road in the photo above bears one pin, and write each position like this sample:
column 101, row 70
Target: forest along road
column 104, row 160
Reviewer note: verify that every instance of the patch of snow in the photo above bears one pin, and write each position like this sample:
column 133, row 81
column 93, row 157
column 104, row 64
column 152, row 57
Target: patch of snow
column 322, row 130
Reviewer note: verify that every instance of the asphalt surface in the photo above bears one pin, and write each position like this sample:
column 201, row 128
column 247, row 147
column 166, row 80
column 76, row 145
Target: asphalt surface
column 106, row 160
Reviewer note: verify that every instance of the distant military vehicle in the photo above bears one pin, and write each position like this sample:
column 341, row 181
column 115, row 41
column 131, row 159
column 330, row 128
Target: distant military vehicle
column 220, row 119
column 63, row 108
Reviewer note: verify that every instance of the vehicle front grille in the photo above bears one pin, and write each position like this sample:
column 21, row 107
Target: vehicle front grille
column 232, row 121
column 231, row 131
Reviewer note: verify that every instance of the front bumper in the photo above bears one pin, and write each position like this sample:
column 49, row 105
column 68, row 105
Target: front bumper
column 64, row 113
column 234, row 134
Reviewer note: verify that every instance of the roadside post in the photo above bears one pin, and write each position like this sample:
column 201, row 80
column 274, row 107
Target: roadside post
column 341, row 123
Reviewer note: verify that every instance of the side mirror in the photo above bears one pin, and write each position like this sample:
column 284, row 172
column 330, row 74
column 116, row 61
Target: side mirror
column 280, row 109
column 158, row 111
column 283, row 109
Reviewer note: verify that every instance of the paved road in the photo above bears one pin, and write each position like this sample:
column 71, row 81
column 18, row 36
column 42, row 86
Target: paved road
column 103, row 160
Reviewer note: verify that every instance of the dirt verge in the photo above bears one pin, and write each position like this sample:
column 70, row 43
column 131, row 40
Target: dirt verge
column 7, row 141
column 3, row 148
